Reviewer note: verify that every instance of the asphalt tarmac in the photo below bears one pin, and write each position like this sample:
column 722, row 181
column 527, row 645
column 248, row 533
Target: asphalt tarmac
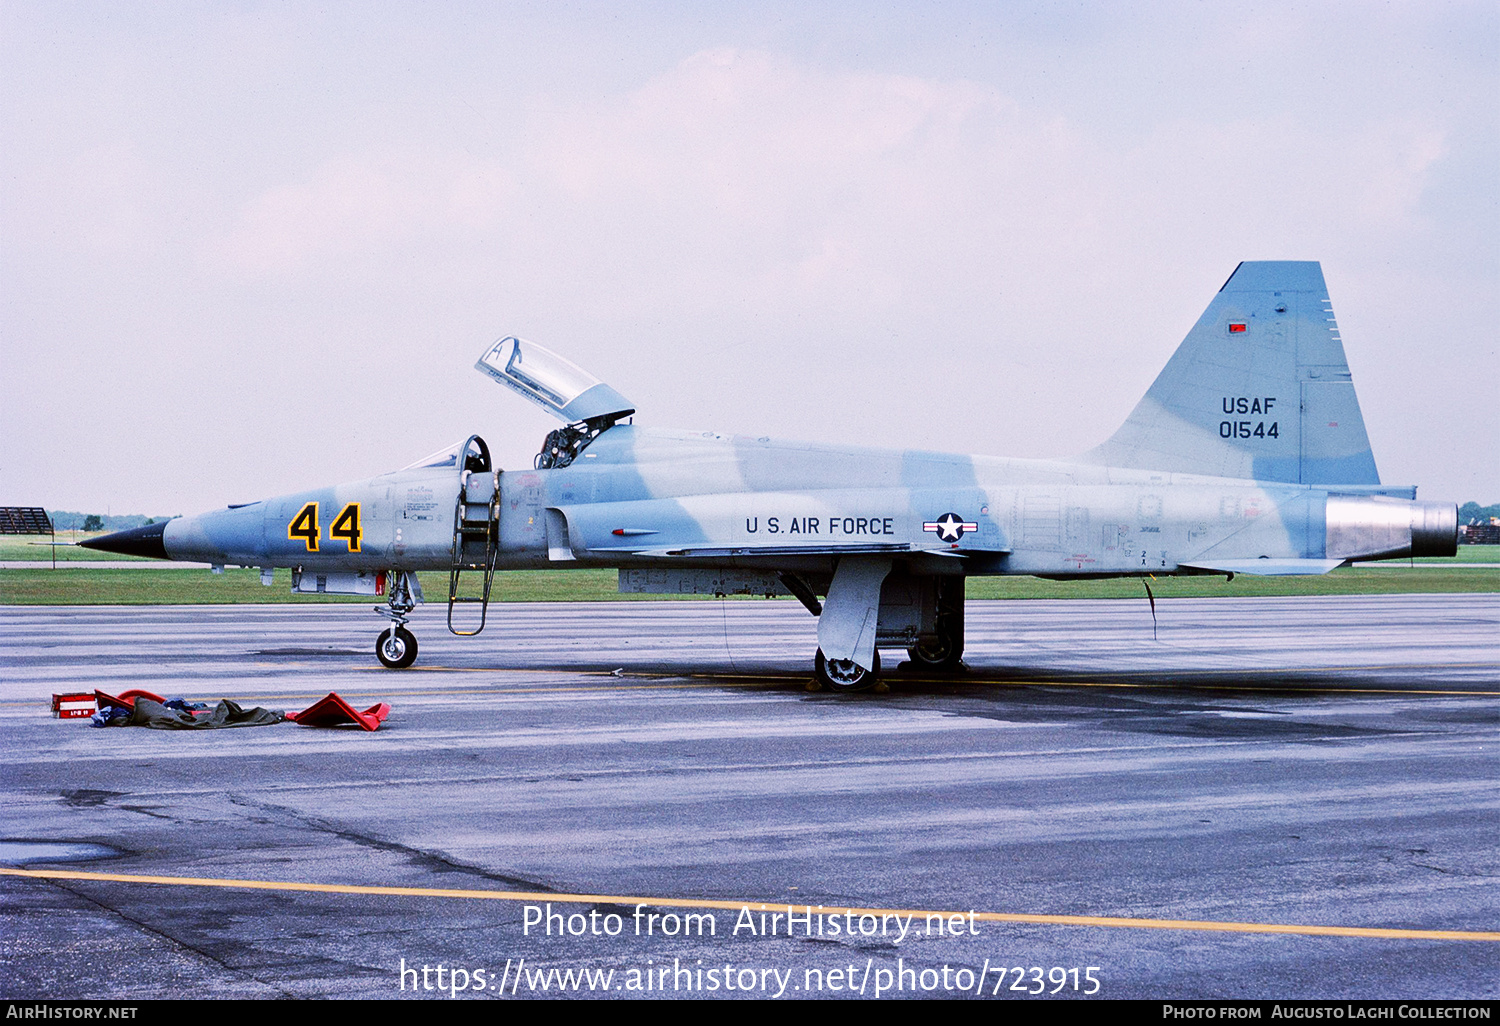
column 1289, row 798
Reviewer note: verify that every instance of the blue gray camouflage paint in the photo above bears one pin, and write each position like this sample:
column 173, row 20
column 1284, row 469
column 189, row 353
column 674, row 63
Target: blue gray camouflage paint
column 1247, row 455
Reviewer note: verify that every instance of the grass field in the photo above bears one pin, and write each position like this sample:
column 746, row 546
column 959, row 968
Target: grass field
column 1467, row 554
column 82, row 585
column 18, row 547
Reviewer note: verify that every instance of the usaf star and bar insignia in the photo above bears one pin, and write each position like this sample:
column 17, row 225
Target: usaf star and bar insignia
column 950, row 527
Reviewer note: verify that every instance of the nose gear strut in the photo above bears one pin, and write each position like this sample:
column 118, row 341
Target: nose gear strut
column 396, row 648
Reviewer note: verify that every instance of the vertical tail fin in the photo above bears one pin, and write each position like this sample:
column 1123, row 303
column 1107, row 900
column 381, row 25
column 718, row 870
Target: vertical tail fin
column 1259, row 389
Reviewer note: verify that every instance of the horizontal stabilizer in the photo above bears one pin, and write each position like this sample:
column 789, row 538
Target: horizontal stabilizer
column 1268, row 567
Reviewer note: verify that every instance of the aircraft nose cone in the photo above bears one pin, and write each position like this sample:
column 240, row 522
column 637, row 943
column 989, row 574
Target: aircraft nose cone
column 137, row 541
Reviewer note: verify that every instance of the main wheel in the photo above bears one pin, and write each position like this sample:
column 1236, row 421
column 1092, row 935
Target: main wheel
column 944, row 652
column 845, row 674
column 396, row 648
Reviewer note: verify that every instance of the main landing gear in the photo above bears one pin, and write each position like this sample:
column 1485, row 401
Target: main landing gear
column 944, row 651
column 396, row 648
column 923, row 615
column 845, row 674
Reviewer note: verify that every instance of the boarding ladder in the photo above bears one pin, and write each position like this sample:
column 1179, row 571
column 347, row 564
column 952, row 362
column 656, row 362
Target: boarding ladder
column 476, row 543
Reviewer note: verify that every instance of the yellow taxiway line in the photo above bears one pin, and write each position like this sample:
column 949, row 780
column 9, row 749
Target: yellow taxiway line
column 1118, row 922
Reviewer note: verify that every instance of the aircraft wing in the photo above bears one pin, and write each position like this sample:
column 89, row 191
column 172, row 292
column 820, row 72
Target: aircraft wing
column 699, row 552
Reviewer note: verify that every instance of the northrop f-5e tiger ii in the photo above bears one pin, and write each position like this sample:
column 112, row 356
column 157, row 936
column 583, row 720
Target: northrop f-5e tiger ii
column 1247, row 455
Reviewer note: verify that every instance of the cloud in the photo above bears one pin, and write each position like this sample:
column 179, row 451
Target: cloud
column 742, row 239
column 737, row 177
column 354, row 207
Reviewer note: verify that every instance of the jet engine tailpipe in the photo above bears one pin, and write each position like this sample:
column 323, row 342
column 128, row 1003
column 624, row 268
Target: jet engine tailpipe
column 1375, row 527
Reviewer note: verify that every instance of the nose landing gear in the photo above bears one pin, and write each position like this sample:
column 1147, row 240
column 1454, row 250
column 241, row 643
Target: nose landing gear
column 396, row 648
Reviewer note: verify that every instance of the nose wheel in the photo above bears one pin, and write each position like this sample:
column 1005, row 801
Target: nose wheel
column 396, row 648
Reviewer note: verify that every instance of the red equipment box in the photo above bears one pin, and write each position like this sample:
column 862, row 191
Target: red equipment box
column 73, row 707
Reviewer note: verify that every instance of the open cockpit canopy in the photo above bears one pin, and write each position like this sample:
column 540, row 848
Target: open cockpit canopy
column 586, row 405
column 558, row 386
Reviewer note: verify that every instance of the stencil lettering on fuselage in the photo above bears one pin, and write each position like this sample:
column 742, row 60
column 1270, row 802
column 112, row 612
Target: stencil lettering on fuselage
column 823, row 527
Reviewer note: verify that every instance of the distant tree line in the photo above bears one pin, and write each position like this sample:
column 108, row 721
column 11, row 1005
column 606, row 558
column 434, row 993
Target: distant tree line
column 1472, row 511
column 67, row 520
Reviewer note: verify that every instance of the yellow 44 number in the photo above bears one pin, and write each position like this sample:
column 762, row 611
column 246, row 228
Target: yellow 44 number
column 304, row 526
column 346, row 526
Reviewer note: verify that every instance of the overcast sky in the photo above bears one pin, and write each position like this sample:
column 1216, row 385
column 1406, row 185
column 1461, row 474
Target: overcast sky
column 251, row 248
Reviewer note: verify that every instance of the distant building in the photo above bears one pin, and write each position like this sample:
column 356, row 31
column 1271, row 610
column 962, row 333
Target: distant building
column 24, row 520
column 1481, row 533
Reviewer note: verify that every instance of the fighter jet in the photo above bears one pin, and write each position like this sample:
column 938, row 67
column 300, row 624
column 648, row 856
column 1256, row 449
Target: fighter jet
column 1247, row 455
